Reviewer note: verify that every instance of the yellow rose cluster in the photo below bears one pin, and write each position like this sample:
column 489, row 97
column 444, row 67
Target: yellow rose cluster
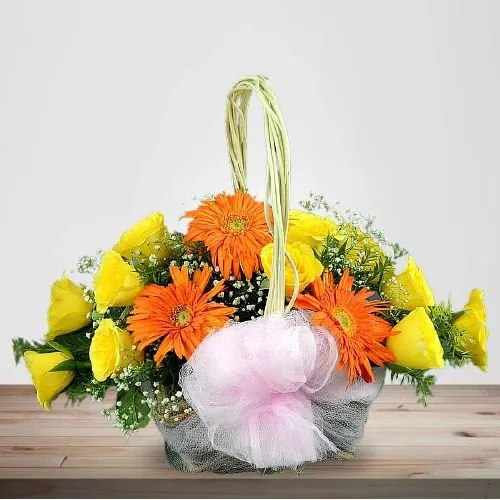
column 116, row 284
column 417, row 345
column 307, row 234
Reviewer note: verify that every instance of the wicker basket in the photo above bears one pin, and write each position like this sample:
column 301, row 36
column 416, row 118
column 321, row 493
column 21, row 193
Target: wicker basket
column 345, row 429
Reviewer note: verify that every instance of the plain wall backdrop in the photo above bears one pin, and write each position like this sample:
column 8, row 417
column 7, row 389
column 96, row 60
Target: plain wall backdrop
column 110, row 110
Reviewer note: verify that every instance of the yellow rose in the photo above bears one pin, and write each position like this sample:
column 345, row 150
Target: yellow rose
column 409, row 289
column 147, row 237
column 417, row 344
column 111, row 350
column 309, row 228
column 48, row 384
column 473, row 323
column 68, row 310
column 116, row 283
column 308, row 266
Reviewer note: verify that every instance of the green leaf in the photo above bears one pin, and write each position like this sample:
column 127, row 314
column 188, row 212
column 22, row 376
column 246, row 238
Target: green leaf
column 343, row 247
column 457, row 315
column 132, row 410
column 415, row 377
column 84, row 385
column 452, row 338
column 59, row 347
column 72, row 365
column 265, row 284
column 68, row 365
column 125, row 313
column 77, row 343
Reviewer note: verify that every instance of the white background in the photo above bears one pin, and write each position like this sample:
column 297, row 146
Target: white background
column 110, row 110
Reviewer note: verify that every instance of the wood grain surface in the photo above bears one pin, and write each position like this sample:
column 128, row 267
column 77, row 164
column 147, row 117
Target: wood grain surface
column 457, row 437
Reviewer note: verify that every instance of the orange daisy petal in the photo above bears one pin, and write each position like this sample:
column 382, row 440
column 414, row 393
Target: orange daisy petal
column 180, row 313
column 234, row 229
column 352, row 319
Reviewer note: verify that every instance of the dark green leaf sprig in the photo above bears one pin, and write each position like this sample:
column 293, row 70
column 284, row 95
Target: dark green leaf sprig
column 131, row 411
column 20, row 346
column 369, row 267
column 417, row 378
column 452, row 338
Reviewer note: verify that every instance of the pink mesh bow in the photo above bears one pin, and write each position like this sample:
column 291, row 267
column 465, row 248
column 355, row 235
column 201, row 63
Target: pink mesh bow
column 252, row 385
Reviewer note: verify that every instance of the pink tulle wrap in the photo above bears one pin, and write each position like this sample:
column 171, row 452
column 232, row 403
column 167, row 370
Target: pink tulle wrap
column 253, row 385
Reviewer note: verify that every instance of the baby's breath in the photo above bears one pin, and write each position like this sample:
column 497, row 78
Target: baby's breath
column 244, row 294
column 167, row 407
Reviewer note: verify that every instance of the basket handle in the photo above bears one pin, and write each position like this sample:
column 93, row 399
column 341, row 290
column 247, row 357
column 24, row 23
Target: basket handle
column 277, row 193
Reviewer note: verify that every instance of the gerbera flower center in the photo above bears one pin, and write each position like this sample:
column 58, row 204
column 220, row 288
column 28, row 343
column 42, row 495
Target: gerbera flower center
column 181, row 315
column 345, row 319
column 234, row 223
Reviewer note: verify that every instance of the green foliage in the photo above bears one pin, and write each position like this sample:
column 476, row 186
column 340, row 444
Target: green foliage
column 418, row 378
column 20, row 346
column 58, row 347
column 119, row 315
column 77, row 343
column 65, row 366
column 153, row 272
column 354, row 250
column 168, row 375
column 451, row 337
column 179, row 248
column 135, row 375
column 150, row 272
column 84, row 385
column 248, row 296
column 72, row 365
column 132, row 410
column 88, row 264
column 398, row 251
column 394, row 316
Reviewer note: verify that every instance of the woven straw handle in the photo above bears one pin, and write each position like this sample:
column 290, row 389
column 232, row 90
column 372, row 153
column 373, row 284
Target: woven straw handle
column 277, row 194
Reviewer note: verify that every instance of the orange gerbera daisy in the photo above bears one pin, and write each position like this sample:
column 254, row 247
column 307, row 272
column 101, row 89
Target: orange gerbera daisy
column 234, row 230
column 180, row 313
column 351, row 318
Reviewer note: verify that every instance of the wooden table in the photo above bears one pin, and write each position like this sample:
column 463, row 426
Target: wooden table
column 449, row 449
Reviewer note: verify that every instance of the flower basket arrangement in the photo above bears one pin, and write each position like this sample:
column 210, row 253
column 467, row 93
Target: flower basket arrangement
column 259, row 338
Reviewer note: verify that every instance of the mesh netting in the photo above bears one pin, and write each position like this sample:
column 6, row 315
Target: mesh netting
column 267, row 397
